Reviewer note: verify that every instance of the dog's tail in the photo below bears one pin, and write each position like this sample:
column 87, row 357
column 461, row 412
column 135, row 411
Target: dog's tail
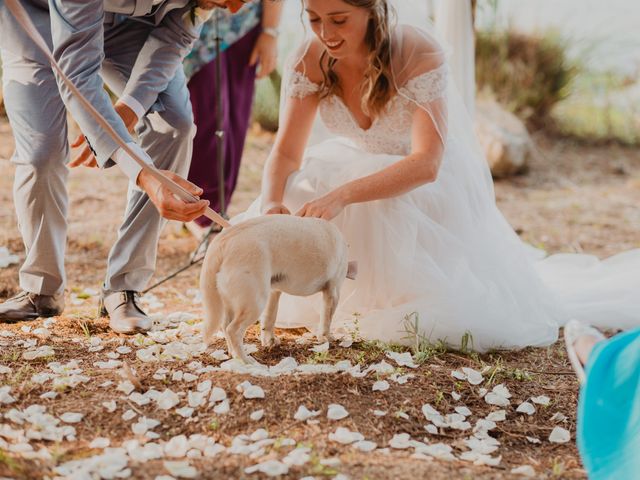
column 211, row 300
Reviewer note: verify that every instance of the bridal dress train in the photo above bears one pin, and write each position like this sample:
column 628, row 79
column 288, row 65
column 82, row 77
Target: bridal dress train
column 441, row 257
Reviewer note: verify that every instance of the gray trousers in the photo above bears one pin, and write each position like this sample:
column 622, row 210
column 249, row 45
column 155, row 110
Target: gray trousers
column 38, row 119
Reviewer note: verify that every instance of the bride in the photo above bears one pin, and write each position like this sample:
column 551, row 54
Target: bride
column 403, row 178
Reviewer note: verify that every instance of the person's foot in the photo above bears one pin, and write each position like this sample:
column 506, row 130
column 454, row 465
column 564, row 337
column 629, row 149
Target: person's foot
column 125, row 316
column 30, row 306
column 579, row 341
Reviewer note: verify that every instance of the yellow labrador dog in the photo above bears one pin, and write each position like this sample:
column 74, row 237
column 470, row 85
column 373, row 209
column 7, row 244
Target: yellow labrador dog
column 250, row 264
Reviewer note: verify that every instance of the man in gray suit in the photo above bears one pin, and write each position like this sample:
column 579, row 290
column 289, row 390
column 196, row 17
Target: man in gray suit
column 138, row 47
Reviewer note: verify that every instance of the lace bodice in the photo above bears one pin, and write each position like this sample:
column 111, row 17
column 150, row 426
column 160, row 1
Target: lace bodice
column 390, row 132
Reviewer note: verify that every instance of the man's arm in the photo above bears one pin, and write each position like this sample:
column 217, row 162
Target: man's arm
column 77, row 33
column 159, row 59
column 78, row 37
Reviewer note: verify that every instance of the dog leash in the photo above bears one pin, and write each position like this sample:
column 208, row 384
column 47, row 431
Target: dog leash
column 23, row 19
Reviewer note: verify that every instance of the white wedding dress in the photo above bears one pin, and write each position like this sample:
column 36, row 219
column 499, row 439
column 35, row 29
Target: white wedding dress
column 441, row 255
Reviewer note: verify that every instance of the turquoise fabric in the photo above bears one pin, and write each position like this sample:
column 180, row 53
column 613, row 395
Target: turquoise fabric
column 232, row 28
column 609, row 410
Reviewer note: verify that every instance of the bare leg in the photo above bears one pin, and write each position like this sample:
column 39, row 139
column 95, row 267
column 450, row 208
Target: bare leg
column 268, row 320
column 583, row 346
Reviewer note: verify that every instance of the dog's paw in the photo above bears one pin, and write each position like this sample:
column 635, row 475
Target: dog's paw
column 322, row 338
column 252, row 362
column 269, row 341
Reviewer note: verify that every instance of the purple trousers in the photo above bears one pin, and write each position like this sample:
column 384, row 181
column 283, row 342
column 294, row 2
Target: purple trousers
column 238, row 82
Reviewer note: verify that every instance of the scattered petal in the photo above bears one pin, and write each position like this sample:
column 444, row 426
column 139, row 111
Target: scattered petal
column 181, row 469
column 322, row 348
column 167, row 400
column 336, row 412
column 464, row 411
column 558, row 417
column 71, row 417
column 365, row 446
column 524, row 470
column 345, row 436
column 526, row 407
column 100, row 442
column 303, row 413
column 254, row 391
column 541, row 400
column 271, row 468
column 257, row 415
column 217, row 395
column 380, row 386
column 497, row 416
column 129, row 415
column 560, row 435
column 402, row 359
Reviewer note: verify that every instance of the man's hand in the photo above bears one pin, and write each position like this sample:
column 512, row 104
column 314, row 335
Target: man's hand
column 266, row 53
column 275, row 208
column 86, row 157
column 168, row 205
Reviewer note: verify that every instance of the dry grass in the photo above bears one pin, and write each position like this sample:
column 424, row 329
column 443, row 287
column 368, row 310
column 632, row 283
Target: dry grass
column 573, row 199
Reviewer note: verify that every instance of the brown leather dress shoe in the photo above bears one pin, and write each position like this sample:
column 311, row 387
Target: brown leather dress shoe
column 29, row 306
column 125, row 316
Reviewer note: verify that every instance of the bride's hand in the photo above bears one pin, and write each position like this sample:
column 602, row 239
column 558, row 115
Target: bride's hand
column 326, row 207
column 274, row 208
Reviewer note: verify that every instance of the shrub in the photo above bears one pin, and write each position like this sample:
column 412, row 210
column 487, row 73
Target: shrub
column 266, row 104
column 528, row 74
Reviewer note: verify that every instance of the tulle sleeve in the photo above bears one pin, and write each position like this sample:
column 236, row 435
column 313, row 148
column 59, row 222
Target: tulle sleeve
column 420, row 73
column 298, row 85
column 429, row 86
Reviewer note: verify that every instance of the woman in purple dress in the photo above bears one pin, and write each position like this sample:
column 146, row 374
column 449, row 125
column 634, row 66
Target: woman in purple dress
column 249, row 51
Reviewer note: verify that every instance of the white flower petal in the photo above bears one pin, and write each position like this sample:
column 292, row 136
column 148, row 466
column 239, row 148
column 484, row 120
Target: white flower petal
column 177, row 447
column 380, row 386
column 129, row 415
column 254, row 391
column 497, row 416
column 541, row 400
column 271, row 468
column 181, row 469
column 303, row 413
column 524, row 470
column 217, row 395
column 167, row 400
column 71, row 417
column 336, row 412
column 185, row 412
column 222, row 408
column 464, row 411
column 100, row 442
column 345, row 436
column 322, row 348
column 401, row 441
column 365, row 446
column 402, row 359
column 257, row 415
column 526, row 407
column 474, row 377
column 560, row 435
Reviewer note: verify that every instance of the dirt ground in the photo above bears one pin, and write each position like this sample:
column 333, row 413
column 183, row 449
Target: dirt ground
column 574, row 199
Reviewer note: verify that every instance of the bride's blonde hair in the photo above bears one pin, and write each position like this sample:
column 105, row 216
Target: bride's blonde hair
column 378, row 87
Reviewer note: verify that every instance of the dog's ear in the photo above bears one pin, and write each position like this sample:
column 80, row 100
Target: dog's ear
column 352, row 270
